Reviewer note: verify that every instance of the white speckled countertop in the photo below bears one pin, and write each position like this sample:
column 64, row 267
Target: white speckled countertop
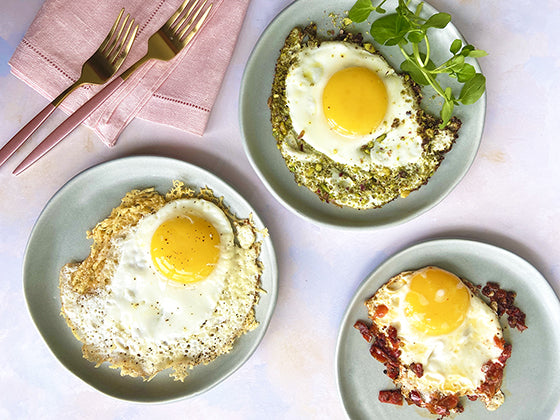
column 509, row 198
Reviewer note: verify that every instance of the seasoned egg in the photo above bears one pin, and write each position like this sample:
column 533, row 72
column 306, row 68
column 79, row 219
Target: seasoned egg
column 181, row 284
column 171, row 270
column 442, row 326
column 341, row 97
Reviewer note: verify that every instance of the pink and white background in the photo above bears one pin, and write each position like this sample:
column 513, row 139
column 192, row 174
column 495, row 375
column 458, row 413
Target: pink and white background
column 511, row 194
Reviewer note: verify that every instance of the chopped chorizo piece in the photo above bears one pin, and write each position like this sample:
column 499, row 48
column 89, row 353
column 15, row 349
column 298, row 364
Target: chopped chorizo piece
column 417, row 368
column 449, row 402
column 506, row 349
column 392, row 334
column 381, row 311
column 415, row 397
column 506, row 354
column 380, row 351
column 499, row 342
column 364, row 330
column 384, row 348
column 392, row 371
column 494, row 375
column 442, row 405
column 516, row 318
column 503, row 303
column 393, row 396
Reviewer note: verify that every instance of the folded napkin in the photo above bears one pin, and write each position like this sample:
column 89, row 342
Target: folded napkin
column 179, row 93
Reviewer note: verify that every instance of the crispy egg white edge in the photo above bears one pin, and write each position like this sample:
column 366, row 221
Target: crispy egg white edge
column 207, row 345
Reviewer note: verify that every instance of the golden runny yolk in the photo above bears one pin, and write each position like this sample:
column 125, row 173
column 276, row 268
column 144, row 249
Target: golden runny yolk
column 355, row 101
column 185, row 249
column 437, row 301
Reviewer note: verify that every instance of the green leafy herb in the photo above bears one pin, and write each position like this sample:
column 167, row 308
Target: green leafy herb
column 407, row 30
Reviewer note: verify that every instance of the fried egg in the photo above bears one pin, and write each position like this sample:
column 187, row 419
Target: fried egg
column 443, row 327
column 341, row 97
column 181, row 284
column 349, row 127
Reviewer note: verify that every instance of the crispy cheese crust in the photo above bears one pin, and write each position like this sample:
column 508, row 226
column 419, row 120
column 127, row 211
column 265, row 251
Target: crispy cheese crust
column 88, row 279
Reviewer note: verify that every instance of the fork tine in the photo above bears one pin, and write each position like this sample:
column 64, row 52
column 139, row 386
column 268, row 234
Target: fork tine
column 124, row 46
column 117, row 37
column 180, row 21
column 123, row 53
column 175, row 15
column 194, row 25
column 111, row 32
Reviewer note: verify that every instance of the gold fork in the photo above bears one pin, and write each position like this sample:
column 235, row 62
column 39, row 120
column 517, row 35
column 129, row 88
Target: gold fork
column 99, row 68
column 165, row 44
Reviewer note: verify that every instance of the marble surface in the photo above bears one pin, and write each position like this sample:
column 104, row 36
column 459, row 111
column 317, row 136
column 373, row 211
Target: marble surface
column 509, row 198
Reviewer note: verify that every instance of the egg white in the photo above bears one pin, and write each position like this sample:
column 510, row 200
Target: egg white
column 356, row 172
column 148, row 304
column 142, row 323
column 452, row 362
column 305, row 83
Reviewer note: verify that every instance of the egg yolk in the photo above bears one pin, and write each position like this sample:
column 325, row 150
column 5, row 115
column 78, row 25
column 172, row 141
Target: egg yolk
column 355, row 101
column 185, row 249
column 437, row 301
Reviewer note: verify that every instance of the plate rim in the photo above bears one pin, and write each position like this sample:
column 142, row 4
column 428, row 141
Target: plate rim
column 341, row 221
column 415, row 247
column 271, row 292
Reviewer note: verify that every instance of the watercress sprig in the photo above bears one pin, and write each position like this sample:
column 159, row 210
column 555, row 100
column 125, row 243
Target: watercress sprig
column 407, row 30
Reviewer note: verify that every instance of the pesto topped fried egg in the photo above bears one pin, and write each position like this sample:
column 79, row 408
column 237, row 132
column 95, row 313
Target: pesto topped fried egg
column 348, row 126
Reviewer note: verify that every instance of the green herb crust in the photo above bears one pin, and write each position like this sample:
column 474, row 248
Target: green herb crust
column 340, row 184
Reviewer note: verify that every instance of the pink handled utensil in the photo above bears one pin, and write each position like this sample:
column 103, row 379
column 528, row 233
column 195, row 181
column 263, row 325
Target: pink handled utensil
column 165, row 44
column 99, row 68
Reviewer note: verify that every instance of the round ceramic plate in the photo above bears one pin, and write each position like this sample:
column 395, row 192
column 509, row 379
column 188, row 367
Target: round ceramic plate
column 532, row 376
column 267, row 161
column 59, row 236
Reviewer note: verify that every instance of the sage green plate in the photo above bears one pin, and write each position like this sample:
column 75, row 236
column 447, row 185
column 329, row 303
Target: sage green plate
column 59, row 236
column 532, row 376
column 267, row 161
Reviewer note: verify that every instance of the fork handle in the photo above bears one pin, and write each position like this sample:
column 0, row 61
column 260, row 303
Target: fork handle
column 15, row 142
column 69, row 125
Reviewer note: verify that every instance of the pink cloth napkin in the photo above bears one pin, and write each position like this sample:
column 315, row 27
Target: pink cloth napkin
column 179, row 93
